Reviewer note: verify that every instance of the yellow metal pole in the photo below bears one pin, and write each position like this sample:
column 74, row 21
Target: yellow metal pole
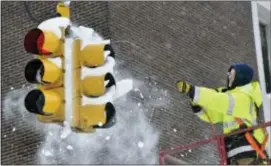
column 76, row 77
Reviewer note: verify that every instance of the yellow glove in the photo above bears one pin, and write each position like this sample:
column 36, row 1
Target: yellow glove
column 183, row 86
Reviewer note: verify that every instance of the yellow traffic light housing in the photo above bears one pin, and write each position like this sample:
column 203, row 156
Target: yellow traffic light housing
column 47, row 71
column 43, row 102
column 95, row 54
column 94, row 86
column 48, row 99
column 97, row 116
column 89, row 115
column 72, row 75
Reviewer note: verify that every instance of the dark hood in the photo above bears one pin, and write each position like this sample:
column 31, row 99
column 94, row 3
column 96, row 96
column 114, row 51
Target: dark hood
column 243, row 74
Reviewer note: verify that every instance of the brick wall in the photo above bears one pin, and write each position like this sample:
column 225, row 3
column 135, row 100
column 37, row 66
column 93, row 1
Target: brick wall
column 167, row 41
column 193, row 41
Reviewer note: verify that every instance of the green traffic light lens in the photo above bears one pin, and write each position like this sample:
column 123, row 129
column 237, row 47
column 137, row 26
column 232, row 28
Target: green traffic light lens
column 34, row 71
column 34, row 102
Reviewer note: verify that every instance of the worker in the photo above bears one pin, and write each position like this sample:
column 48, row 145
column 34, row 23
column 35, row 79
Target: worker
column 235, row 106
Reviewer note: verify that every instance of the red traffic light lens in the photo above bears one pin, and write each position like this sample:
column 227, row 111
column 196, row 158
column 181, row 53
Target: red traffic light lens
column 40, row 42
column 33, row 42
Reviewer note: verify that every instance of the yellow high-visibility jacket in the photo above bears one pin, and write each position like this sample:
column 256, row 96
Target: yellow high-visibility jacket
column 224, row 107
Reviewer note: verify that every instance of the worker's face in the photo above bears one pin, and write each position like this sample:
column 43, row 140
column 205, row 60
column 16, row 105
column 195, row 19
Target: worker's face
column 231, row 76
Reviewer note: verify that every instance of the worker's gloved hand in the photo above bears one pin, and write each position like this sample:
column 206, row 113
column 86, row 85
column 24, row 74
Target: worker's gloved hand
column 196, row 108
column 183, row 86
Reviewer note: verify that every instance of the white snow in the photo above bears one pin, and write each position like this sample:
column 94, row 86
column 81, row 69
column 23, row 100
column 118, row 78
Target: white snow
column 69, row 147
column 107, row 138
column 87, row 41
column 50, row 133
column 175, row 130
column 53, row 25
column 123, row 87
column 189, row 150
column 47, row 153
column 66, row 131
column 141, row 95
column 140, row 144
column 67, row 3
column 5, row 136
column 138, row 104
column 11, row 88
column 106, row 82
column 57, row 61
column 107, row 97
column 68, row 82
column 99, row 71
column 13, row 129
column 136, row 89
column 100, row 124
column 88, row 35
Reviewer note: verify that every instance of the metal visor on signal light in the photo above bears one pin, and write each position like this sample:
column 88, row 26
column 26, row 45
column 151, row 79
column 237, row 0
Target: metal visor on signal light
column 98, row 116
column 42, row 71
column 41, row 42
column 110, row 115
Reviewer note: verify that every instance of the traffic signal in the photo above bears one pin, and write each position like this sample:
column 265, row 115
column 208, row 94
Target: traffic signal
column 94, row 63
column 63, row 9
column 73, row 74
column 47, row 72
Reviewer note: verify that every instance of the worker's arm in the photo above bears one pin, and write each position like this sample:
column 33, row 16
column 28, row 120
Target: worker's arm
column 233, row 104
column 207, row 115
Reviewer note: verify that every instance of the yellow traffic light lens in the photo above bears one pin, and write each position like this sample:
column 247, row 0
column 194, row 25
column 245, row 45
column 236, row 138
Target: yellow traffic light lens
column 34, row 71
column 34, row 102
column 42, row 71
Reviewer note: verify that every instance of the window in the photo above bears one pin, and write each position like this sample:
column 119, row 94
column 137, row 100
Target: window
column 266, row 57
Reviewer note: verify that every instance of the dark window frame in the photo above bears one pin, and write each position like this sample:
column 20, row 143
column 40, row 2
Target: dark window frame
column 264, row 23
column 266, row 55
